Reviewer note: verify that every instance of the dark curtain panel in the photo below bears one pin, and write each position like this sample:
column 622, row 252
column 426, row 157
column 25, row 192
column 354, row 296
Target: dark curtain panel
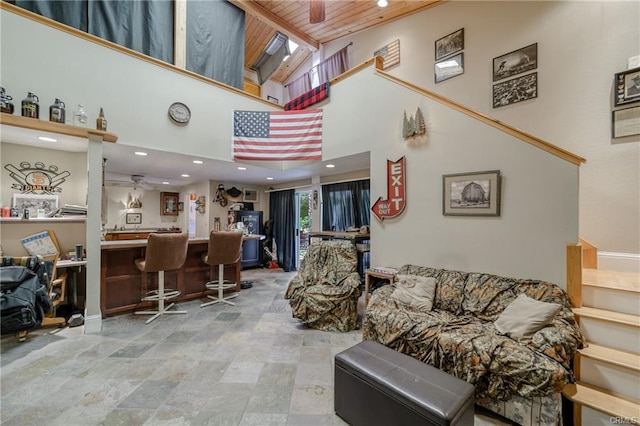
column 145, row 26
column 71, row 12
column 282, row 211
column 215, row 41
column 344, row 205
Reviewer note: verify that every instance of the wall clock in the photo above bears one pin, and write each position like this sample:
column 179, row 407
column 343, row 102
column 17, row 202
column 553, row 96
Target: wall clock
column 179, row 113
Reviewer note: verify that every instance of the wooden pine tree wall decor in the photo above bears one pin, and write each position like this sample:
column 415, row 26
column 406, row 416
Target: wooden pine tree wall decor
column 413, row 126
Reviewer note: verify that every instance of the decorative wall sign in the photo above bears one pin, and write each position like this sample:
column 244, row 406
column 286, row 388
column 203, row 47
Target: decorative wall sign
column 515, row 90
column 395, row 202
column 449, row 44
column 516, row 62
column 471, row 194
column 37, row 179
column 448, row 68
column 413, row 126
column 390, row 54
column 133, row 203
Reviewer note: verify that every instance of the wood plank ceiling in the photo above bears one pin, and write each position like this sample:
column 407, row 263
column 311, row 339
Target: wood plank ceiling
column 342, row 17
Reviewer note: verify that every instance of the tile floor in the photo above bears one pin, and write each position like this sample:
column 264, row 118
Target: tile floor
column 248, row 364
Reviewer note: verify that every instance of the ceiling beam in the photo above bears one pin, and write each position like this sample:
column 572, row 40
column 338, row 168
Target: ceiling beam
column 276, row 22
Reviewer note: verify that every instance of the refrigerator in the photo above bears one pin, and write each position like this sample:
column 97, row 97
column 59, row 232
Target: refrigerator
column 251, row 249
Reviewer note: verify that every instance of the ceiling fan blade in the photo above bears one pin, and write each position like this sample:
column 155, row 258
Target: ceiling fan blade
column 316, row 11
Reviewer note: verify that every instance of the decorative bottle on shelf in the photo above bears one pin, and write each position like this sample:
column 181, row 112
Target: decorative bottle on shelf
column 5, row 105
column 57, row 111
column 31, row 106
column 101, row 122
column 80, row 117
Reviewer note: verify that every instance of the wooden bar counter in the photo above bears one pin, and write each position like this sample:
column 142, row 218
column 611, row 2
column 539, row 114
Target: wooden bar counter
column 121, row 286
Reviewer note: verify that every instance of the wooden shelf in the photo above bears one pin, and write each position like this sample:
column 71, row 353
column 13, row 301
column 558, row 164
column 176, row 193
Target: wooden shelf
column 48, row 126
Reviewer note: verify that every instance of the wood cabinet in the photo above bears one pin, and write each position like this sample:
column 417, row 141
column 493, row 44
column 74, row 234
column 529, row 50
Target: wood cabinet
column 125, row 236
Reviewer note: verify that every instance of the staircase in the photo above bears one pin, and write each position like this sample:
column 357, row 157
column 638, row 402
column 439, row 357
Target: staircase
column 607, row 306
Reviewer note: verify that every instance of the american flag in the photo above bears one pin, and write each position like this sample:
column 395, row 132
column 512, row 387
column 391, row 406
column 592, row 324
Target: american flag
column 390, row 53
column 277, row 135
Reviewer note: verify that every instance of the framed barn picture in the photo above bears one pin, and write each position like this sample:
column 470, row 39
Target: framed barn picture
column 471, row 194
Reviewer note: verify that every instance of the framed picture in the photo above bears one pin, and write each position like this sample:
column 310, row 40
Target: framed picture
column 516, row 62
column 180, row 206
column 169, row 203
column 134, row 218
column 450, row 44
column 627, row 86
column 272, row 99
column 250, row 195
column 45, row 204
column 448, row 68
column 471, row 194
column 515, row 90
column 625, row 122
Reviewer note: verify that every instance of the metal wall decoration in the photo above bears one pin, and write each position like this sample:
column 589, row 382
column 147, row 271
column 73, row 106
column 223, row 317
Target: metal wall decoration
column 133, row 203
column 414, row 126
column 390, row 54
column 396, row 200
column 37, row 179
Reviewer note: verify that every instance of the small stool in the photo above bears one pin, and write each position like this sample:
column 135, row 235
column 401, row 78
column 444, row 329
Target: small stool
column 225, row 248
column 165, row 252
column 376, row 385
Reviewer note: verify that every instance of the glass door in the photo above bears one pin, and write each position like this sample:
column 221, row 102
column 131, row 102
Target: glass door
column 303, row 224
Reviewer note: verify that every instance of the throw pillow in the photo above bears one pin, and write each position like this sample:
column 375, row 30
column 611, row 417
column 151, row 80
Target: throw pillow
column 415, row 290
column 524, row 316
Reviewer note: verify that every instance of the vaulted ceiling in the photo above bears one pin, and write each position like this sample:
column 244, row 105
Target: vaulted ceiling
column 291, row 17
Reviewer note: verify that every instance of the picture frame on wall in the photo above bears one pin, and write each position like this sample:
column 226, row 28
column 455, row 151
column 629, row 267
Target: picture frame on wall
column 133, row 218
column 448, row 68
column 272, row 99
column 449, row 44
column 515, row 90
column 625, row 122
column 169, row 203
column 250, row 195
column 516, row 62
column 390, row 54
column 471, row 194
column 627, row 87
column 46, row 204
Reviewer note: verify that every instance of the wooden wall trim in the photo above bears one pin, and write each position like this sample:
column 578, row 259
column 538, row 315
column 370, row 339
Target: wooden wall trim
column 4, row 6
column 180, row 33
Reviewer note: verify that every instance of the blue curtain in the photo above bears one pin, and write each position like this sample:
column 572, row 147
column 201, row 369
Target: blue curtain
column 345, row 205
column 282, row 213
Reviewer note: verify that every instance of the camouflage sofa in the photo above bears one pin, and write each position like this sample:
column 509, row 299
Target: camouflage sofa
column 324, row 294
column 519, row 379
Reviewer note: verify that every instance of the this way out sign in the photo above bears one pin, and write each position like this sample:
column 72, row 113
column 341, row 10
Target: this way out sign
column 394, row 204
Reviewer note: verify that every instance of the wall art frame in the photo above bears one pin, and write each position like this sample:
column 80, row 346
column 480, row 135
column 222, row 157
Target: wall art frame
column 133, row 218
column 272, row 99
column 250, row 195
column 169, row 203
column 390, row 54
column 517, row 62
column 625, row 122
column 35, row 202
column 449, row 44
column 627, row 87
column 471, row 194
column 516, row 90
column 448, row 68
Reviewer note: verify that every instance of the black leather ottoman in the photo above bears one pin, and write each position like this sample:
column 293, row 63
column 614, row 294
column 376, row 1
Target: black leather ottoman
column 375, row 385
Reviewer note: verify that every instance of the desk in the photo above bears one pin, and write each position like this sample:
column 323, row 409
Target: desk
column 355, row 237
column 76, row 268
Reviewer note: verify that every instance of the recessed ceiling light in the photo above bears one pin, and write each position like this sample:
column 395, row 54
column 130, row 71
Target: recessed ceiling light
column 140, row 153
column 330, row 166
column 165, row 183
column 269, row 178
column 383, row 3
column 185, row 175
column 197, row 161
column 242, row 168
column 46, row 139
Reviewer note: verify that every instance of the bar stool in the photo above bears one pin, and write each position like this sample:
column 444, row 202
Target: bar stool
column 225, row 248
column 165, row 252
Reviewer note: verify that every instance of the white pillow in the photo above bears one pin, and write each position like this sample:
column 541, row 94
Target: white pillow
column 415, row 290
column 524, row 316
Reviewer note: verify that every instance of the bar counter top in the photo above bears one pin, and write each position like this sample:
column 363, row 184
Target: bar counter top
column 106, row 245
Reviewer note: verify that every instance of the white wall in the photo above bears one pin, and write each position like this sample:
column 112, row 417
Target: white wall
column 117, row 209
column 581, row 45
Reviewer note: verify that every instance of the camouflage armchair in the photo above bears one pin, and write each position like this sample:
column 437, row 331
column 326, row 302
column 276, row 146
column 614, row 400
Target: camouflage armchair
column 325, row 293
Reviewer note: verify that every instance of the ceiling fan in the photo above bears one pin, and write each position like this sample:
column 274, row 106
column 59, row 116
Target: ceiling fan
column 316, row 11
column 133, row 181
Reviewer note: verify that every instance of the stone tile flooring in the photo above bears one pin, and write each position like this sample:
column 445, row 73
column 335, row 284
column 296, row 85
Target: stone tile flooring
column 248, row 364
